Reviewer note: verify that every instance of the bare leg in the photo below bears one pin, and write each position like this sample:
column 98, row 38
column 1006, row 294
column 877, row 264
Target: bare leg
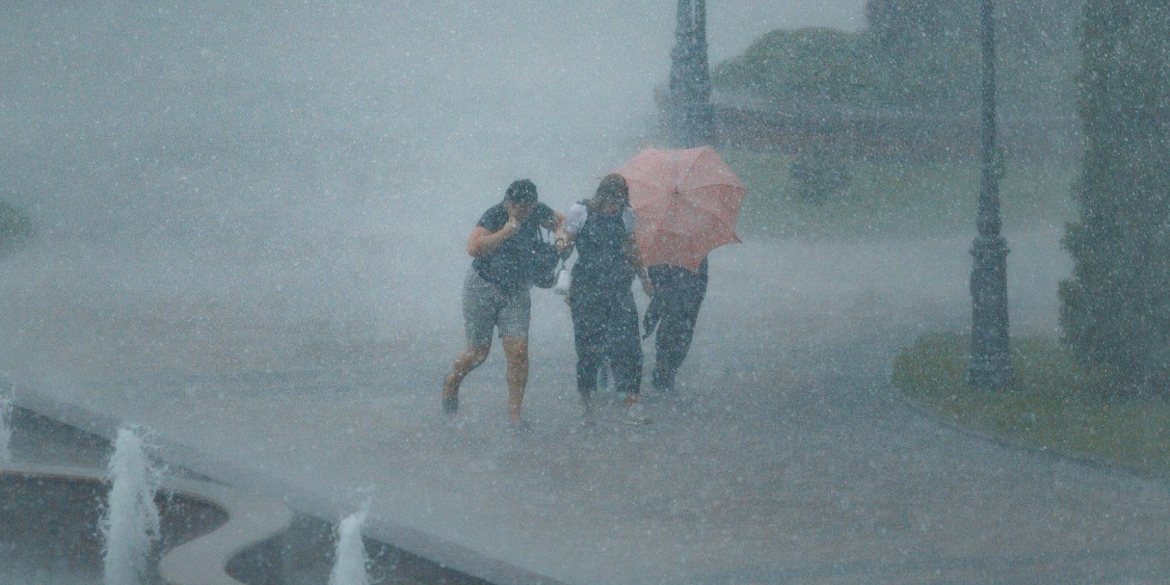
column 516, row 350
column 467, row 361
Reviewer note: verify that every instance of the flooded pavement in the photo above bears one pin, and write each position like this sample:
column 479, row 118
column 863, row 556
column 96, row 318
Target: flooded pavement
column 784, row 457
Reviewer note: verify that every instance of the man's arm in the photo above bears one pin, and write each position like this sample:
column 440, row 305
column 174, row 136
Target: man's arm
column 483, row 241
column 553, row 224
column 566, row 235
column 633, row 254
column 634, row 257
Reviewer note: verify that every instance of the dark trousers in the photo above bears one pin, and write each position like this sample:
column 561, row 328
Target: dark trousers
column 677, row 298
column 605, row 325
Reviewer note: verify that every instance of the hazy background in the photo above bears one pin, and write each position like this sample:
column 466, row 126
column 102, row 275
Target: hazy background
column 194, row 165
column 250, row 225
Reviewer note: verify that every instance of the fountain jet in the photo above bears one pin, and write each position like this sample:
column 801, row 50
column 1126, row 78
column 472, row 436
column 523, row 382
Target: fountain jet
column 349, row 567
column 130, row 525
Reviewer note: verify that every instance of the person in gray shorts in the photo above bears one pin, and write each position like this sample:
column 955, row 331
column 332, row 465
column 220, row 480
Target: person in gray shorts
column 496, row 291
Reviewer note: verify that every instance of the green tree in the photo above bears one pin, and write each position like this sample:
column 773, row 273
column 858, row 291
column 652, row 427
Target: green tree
column 1115, row 310
column 900, row 28
column 815, row 65
column 921, row 55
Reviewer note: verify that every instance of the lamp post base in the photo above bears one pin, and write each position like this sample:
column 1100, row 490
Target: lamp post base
column 991, row 364
column 990, row 372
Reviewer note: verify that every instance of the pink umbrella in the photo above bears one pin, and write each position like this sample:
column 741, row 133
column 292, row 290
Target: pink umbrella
column 686, row 202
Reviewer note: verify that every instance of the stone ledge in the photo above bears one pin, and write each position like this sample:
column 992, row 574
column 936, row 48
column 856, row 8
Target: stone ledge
column 245, row 485
column 250, row 522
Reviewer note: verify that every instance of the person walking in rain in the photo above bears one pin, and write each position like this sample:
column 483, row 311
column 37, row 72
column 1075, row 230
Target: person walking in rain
column 496, row 291
column 687, row 202
column 605, row 318
column 678, row 294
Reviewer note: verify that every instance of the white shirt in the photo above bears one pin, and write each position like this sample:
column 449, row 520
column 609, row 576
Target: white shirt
column 578, row 213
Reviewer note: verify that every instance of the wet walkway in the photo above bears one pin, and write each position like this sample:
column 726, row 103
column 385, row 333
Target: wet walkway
column 785, row 457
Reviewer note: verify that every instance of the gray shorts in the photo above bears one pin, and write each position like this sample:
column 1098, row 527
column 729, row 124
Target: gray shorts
column 486, row 306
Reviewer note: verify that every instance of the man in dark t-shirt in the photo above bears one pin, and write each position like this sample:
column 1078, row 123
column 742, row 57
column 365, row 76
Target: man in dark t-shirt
column 495, row 291
column 508, row 266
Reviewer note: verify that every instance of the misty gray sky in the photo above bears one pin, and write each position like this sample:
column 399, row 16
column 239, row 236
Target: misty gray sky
column 330, row 142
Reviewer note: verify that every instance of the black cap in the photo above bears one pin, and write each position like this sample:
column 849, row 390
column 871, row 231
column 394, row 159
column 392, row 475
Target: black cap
column 521, row 191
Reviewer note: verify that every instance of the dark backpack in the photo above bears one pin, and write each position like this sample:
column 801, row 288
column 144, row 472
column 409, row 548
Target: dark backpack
column 543, row 264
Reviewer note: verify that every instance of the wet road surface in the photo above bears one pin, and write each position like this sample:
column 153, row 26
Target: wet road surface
column 784, row 457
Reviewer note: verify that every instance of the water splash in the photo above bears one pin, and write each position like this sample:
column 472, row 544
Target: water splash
column 349, row 568
column 130, row 525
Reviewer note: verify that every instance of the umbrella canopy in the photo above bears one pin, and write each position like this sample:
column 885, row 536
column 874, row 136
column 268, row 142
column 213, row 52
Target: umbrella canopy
column 686, row 202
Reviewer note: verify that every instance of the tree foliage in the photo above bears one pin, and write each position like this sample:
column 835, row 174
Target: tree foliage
column 921, row 55
column 812, row 64
column 900, row 28
column 1115, row 310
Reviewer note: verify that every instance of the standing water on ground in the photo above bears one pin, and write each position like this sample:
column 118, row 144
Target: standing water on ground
column 130, row 525
column 349, row 568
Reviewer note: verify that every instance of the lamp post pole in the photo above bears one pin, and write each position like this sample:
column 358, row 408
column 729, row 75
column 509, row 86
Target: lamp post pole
column 990, row 365
column 690, row 119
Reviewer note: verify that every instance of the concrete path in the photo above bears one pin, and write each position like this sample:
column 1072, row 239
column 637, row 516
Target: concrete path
column 786, row 457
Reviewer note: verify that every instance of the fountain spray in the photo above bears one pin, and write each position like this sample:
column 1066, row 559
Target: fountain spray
column 130, row 525
column 349, row 566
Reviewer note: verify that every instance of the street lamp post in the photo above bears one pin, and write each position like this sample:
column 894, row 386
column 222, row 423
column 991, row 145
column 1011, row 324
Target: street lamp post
column 990, row 365
column 690, row 118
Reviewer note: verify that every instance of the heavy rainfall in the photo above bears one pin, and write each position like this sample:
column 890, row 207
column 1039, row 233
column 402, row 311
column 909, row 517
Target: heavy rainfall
column 242, row 229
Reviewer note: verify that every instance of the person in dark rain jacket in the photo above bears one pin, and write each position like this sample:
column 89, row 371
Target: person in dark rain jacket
column 605, row 318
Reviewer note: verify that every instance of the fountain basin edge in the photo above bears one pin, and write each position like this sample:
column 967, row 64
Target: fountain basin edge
column 258, row 522
column 250, row 521
column 235, row 522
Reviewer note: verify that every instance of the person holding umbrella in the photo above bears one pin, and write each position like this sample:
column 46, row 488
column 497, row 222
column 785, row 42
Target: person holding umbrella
column 686, row 202
column 605, row 318
column 495, row 291
column 672, row 314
